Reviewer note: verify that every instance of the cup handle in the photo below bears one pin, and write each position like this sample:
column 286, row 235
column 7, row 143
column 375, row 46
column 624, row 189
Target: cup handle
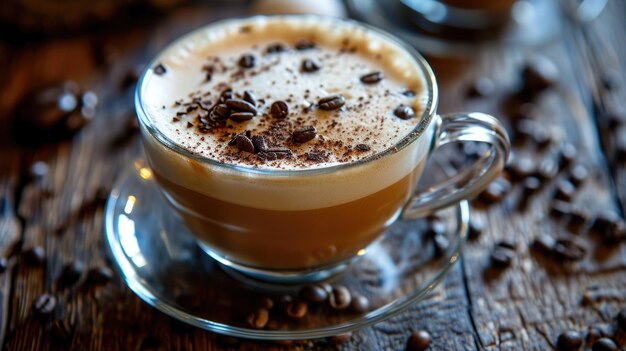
column 469, row 182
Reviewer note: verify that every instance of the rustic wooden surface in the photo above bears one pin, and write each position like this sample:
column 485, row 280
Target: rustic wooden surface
column 523, row 308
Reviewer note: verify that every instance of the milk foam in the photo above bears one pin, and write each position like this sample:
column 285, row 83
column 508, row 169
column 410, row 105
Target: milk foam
column 346, row 52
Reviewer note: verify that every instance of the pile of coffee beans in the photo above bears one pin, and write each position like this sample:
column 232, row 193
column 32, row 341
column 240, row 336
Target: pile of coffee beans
column 598, row 338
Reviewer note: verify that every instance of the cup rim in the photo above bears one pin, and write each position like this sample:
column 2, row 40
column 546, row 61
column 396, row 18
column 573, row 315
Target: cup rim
column 425, row 119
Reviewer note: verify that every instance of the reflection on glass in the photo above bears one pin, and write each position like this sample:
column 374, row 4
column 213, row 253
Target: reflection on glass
column 130, row 203
column 130, row 245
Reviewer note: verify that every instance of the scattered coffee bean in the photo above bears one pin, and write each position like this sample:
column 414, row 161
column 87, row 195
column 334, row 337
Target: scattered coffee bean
column 531, row 185
column 310, row 65
column 359, row 304
column 544, row 244
column 332, row 102
column 548, row 169
column 61, row 330
column 362, row 147
column 38, row 171
column 297, row 309
column 159, row 69
column 577, row 221
column 314, row 156
column 418, row 341
column 482, row 87
column 539, row 74
column 304, row 134
column 502, row 256
column 260, row 143
column 560, row 209
column 564, row 190
column 372, row 78
column 604, row 344
column 605, row 223
column 258, row 319
column 44, row 305
column 621, row 320
column 220, row 111
column 247, row 61
column 244, row 144
column 476, row 227
column 496, row 191
column 594, row 333
column 541, row 138
column 578, row 174
column 441, row 244
column 71, row 273
column 615, row 119
column 404, row 112
column 35, row 255
column 569, row 340
column 313, row 293
column 567, row 155
column 520, row 168
column 507, row 244
column 265, row 303
column 100, row 275
column 304, row 44
column 340, row 339
column 248, row 96
column 339, row 298
column 4, row 264
column 569, row 249
column 279, row 109
column 241, row 106
column 275, row 48
column 241, row 116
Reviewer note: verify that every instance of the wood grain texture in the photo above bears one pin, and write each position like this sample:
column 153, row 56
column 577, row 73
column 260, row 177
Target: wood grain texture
column 522, row 308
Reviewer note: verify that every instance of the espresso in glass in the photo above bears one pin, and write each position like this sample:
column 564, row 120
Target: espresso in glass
column 286, row 142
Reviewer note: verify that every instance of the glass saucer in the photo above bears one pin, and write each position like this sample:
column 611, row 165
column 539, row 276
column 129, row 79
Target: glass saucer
column 161, row 262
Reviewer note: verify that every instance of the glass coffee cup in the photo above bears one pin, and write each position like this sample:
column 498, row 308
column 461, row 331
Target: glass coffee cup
column 307, row 223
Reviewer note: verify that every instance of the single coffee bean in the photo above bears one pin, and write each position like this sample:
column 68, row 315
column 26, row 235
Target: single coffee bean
column 543, row 244
column 476, row 227
column 548, row 169
column 244, row 144
column 404, row 112
column 340, row 339
column 541, row 138
column 44, row 305
column 241, row 106
column 4, row 264
column 100, row 275
column 441, row 244
column 577, row 221
column 502, row 257
column 564, row 190
column 496, row 191
column 304, row 134
column 297, row 309
column 241, row 116
column 621, row 320
column 567, row 155
column 313, row 293
column 247, row 61
column 578, row 174
column 304, row 44
column 521, row 168
column 482, row 87
column 560, row 209
column 260, row 143
column 359, row 304
column 309, row 66
column 418, row 341
column 284, row 300
column 35, row 255
column 220, row 111
column 339, row 297
column 507, row 244
column 275, row 48
column 604, row 344
column 332, row 102
column 279, row 109
column 258, row 319
column 72, row 272
column 594, row 333
column 362, row 147
column 569, row 340
column 531, row 185
column 265, row 303
column 569, row 249
column 605, row 224
column 61, row 330
column 539, row 74
column 249, row 97
column 372, row 78
column 159, row 69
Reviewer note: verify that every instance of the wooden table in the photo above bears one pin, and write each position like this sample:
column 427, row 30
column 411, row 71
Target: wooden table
column 523, row 307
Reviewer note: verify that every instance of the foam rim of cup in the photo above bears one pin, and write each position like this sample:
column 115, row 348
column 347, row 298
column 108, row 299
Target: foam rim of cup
column 425, row 118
